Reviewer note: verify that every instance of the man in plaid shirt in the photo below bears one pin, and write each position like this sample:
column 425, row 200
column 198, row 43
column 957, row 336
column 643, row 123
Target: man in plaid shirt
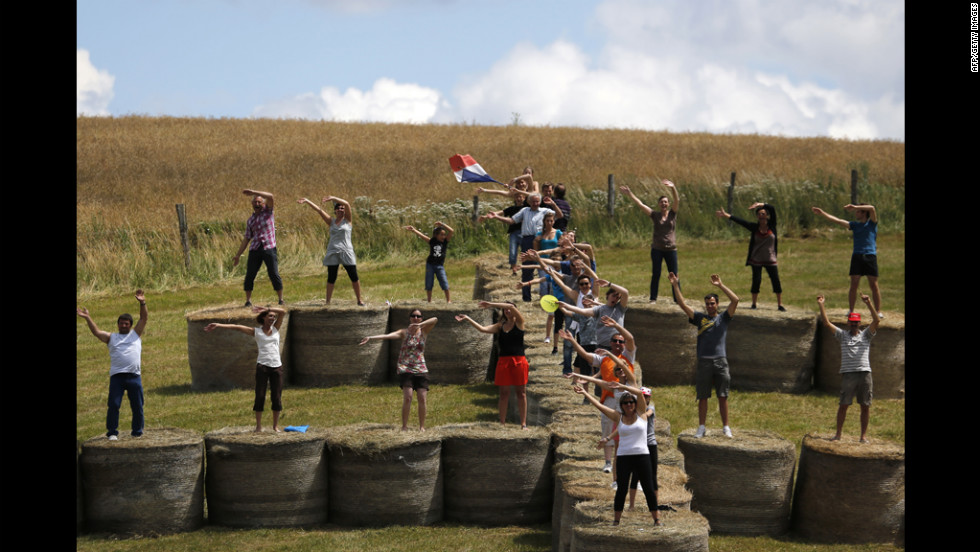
column 260, row 238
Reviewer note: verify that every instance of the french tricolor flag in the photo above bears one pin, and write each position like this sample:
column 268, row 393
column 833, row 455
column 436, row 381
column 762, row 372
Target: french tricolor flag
column 468, row 170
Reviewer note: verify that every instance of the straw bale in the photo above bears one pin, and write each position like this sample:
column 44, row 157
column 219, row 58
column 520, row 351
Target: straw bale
column 497, row 474
column 772, row 350
column 561, row 512
column 580, row 448
column 669, row 456
column 665, row 343
column 79, row 505
column 743, row 484
column 266, row 479
column 223, row 360
column 665, row 440
column 324, row 342
column 682, row 531
column 380, row 475
column 850, row 492
column 149, row 485
column 454, row 353
column 887, row 356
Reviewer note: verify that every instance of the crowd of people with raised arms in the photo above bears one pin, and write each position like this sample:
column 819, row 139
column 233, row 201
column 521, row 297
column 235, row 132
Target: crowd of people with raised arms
column 591, row 324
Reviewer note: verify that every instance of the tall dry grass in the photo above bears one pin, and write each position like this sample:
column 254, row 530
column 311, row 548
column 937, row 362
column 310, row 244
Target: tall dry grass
column 132, row 171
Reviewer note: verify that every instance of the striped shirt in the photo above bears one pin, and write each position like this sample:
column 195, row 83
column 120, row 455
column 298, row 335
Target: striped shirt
column 854, row 350
column 261, row 229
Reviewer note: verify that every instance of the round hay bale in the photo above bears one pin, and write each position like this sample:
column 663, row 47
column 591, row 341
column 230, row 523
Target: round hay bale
column 266, row 479
column 786, row 360
column 743, row 484
column 565, row 470
column 681, row 531
column 572, row 424
column 580, row 447
column 380, row 475
column 497, row 474
column 324, row 344
column 480, row 280
column 887, row 356
column 455, row 354
column 223, row 360
column 674, row 359
column 665, row 440
column 149, row 485
column 669, row 457
column 850, row 492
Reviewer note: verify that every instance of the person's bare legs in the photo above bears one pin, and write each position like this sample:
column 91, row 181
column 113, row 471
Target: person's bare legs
column 275, row 420
column 841, row 416
column 521, row 391
column 755, row 298
column 329, row 292
column 875, row 292
column 357, row 291
column 502, row 402
column 258, row 420
column 422, row 394
column 406, row 406
column 447, row 296
column 723, row 410
column 702, row 411
column 865, row 418
column 428, row 295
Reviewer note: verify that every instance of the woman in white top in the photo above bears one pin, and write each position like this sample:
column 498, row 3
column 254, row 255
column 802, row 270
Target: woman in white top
column 268, row 366
column 340, row 248
column 632, row 455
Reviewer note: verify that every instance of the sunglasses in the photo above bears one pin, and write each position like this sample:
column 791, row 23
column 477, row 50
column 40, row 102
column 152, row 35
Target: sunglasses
column 628, row 402
column 617, row 341
column 415, row 316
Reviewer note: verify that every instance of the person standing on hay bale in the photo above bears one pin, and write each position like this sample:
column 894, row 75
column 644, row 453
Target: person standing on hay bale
column 855, row 366
column 712, row 357
column 340, row 249
column 260, row 239
column 531, row 219
column 864, row 258
column 412, row 372
column 651, row 438
column 763, row 245
column 622, row 351
column 435, row 263
column 632, row 456
column 664, row 247
column 268, row 366
column 512, row 367
column 125, row 358
column 615, row 307
column 513, row 230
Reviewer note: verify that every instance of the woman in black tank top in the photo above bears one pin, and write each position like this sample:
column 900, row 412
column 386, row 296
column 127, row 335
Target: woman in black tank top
column 512, row 367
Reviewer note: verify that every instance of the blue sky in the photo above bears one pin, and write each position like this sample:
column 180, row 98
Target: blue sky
column 804, row 68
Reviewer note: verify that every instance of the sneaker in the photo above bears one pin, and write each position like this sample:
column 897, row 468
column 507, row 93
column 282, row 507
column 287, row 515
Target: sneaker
column 881, row 315
column 554, row 350
column 615, row 485
column 547, row 340
column 702, row 431
column 607, row 468
column 281, row 302
column 752, row 307
column 113, row 438
column 248, row 303
column 727, row 431
column 639, row 486
column 781, row 308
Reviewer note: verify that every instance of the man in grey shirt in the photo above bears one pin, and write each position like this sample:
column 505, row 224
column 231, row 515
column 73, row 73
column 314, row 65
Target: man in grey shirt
column 712, row 357
column 855, row 366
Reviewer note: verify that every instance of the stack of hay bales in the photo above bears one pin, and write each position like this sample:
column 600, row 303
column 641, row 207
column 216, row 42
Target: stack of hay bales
column 742, row 484
column 887, row 355
column 324, row 342
column 146, row 485
column 266, row 479
column 682, row 531
column 383, row 476
column 455, row 353
column 497, row 474
column 850, row 492
column 222, row 360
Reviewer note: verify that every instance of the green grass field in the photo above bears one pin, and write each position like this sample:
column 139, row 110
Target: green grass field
column 808, row 266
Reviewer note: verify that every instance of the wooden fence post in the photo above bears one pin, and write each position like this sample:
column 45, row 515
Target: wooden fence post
column 476, row 208
column 611, row 195
column 182, row 224
column 731, row 197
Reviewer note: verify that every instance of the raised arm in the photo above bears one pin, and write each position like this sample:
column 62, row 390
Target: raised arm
column 608, row 412
column 830, row 217
column 485, row 329
column 732, row 298
column 417, row 232
column 624, row 294
column 630, row 343
column 323, row 214
column 270, row 199
column 101, row 335
column 673, row 192
column 575, row 310
column 643, row 206
column 280, row 314
column 875, row 319
column 873, row 216
column 397, row 334
column 680, row 298
column 235, row 327
column 449, row 229
column 144, row 314
column 567, row 336
column 501, row 218
column 823, row 314
column 348, row 212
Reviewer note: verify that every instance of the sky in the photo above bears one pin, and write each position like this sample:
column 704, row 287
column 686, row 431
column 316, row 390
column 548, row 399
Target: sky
column 802, row 68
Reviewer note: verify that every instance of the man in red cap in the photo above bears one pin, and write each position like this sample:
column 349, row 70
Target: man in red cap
column 855, row 368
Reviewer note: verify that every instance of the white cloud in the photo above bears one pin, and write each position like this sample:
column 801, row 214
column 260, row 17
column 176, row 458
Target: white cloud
column 386, row 101
column 94, row 86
